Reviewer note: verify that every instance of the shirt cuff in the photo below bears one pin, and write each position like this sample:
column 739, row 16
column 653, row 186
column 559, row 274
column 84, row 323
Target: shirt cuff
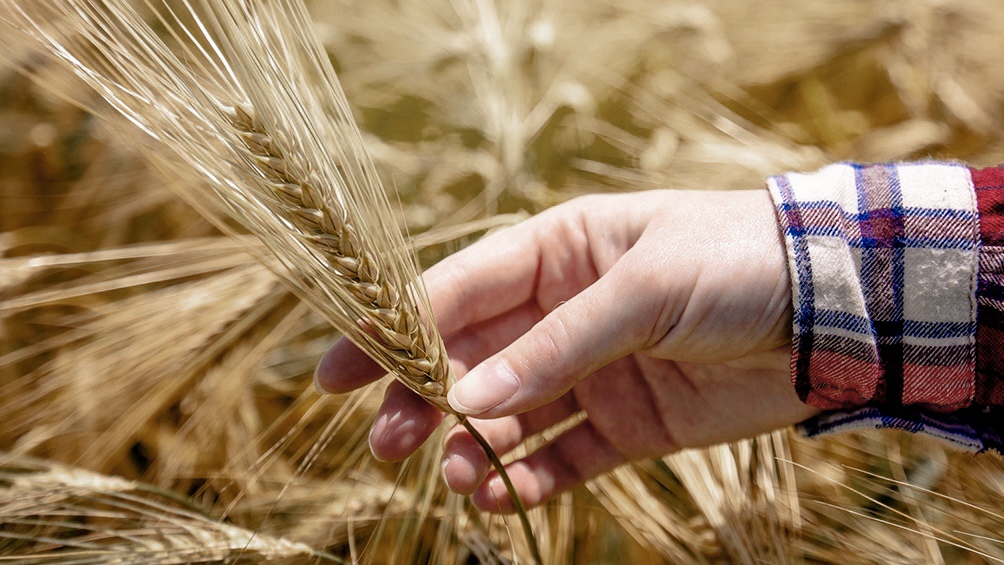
column 884, row 261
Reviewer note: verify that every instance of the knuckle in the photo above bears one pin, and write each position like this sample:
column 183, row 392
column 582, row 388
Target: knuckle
column 553, row 339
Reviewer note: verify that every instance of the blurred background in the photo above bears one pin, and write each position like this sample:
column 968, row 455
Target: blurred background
column 155, row 396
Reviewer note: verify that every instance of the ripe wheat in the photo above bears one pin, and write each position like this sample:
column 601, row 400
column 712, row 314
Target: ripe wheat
column 419, row 354
column 247, row 99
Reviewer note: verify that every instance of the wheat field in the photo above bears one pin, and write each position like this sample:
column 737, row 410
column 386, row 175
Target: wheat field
column 156, row 403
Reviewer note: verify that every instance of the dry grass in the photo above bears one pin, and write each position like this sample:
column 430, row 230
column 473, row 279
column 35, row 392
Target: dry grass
column 67, row 515
column 138, row 342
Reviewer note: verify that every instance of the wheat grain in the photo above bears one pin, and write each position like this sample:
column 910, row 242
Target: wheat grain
column 419, row 355
column 106, row 386
column 731, row 483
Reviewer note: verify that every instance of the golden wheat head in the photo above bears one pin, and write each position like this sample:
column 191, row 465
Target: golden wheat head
column 245, row 105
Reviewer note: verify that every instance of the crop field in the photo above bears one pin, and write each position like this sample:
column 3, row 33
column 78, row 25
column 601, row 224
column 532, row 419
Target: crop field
column 156, row 397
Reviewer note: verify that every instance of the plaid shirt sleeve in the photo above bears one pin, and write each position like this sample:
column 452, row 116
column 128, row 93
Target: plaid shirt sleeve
column 898, row 287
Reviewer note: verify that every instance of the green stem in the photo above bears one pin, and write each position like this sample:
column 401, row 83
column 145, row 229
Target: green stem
column 524, row 519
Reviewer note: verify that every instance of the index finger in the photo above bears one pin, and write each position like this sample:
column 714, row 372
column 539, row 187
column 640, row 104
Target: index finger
column 490, row 277
column 493, row 276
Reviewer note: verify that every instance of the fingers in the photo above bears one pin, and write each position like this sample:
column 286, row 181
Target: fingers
column 593, row 328
column 394, row 435
column 574, row 457
column 345, row 367
column 486, row 279
column 465, row 464
column 549, row 257
column 479, row 283
column 403, row 423
column 477, row 342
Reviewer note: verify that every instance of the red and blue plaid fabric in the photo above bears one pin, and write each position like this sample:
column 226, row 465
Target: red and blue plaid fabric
column 888, row 266
column 989, row 185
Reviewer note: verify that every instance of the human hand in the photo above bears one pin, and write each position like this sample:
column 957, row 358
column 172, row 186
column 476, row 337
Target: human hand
column 663, row 316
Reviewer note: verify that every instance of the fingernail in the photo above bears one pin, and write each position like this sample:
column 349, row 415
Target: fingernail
column 496, row 495
column 442, row 470
column 317, row 380
column 369, row 441
column 486, row 386
column 497, row 487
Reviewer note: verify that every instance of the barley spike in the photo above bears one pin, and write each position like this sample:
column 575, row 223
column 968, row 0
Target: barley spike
column 423, row 367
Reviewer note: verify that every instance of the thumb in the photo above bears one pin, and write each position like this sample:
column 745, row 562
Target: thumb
column 604, row 322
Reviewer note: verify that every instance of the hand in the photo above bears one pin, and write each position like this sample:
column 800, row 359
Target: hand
column 663, row 315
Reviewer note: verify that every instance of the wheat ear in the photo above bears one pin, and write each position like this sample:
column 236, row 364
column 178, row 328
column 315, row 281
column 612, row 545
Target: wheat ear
column 420, row 360
column 52, row 513
column 422, row 365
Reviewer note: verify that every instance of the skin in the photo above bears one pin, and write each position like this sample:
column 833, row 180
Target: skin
column 665, row 316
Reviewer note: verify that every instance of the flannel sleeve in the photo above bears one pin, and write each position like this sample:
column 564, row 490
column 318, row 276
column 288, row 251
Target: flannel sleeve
column 898, row 289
